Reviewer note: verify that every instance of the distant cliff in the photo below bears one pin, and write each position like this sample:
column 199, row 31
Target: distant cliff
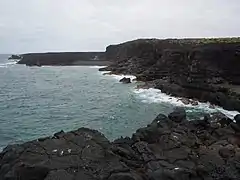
column 206, row 69
column 63, row 58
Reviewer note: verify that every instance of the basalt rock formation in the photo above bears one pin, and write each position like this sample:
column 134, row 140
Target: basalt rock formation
column 16, row 57
column 64, row 59
column 125, row 80
column 206, row 69
column 168, row 148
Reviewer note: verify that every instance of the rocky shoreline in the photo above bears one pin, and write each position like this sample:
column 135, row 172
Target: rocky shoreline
column 202, row 69
column 171, row 147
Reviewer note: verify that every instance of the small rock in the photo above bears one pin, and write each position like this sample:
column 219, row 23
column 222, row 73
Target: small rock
column 59, row 134
column 211, row 106
column 43, row 139
column 237, row 119
column 125, row 80
column 194, row 103
column 185, row 101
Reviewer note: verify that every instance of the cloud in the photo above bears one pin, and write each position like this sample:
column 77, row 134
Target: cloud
column 80, row 25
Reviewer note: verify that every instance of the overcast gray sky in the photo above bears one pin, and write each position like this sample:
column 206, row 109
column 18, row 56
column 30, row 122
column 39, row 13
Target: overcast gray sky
column 81, row 25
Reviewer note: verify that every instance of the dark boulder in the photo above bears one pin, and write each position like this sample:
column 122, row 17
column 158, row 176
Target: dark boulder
column 125, row 80
column 178, row 115
column 237, row 119
column 185, row 101
column 221, row 118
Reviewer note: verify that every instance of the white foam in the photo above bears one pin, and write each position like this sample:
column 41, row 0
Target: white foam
column 117, row 77
column 8, row 64
column 97, row 67
column 156, row 96
column 11, row 63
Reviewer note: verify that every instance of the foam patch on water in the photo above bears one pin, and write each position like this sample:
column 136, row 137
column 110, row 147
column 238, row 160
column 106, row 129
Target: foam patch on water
column 8, row 64
column 97, row 67
column 117, row 77
column 156, row 96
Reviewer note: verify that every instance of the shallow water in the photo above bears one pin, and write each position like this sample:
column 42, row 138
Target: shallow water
column 37, row 102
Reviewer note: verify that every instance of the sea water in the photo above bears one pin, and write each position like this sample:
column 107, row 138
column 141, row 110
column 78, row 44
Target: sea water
column 39, row 101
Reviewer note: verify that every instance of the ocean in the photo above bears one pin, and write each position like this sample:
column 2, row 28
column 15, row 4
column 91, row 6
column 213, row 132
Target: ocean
column 37, row 102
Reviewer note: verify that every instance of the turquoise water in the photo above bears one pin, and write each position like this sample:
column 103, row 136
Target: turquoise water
column 37, row 102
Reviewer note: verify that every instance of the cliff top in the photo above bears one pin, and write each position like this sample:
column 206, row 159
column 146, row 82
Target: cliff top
column 188, row 41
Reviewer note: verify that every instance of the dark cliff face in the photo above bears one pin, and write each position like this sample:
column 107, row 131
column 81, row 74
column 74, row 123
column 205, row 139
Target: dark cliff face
column 198, row 69
column 64, row 58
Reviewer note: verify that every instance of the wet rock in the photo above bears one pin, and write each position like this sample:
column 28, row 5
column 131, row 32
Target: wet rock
column 237, row 119
column 221, row 118
column 211, row 106
column 194, row 103
column 178, row 115
column 185, row 101
column 125, row 80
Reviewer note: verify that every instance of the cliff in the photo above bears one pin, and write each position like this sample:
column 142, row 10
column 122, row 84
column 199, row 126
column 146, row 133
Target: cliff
column 206, row 69
column 168, row 148
column 63, row 58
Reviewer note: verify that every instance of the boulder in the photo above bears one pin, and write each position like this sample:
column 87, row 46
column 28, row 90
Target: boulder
column 125, row 80
column 194, row 103
column 185, row 101
column 178, row 115
column 237, row 119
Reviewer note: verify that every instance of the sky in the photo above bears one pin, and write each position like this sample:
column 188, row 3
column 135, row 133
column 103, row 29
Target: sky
column 91, row 25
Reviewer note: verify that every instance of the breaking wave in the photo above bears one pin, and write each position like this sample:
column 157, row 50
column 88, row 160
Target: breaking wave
column 156, row 96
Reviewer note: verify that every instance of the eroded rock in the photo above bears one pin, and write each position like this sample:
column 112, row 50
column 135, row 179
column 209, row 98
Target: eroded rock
column 125, row 80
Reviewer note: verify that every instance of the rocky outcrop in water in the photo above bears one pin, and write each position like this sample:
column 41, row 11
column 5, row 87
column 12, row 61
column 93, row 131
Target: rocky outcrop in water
column 125, row 80
column 205, row 69
column 64, row 59
column 169, row 148
column 16, row 57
